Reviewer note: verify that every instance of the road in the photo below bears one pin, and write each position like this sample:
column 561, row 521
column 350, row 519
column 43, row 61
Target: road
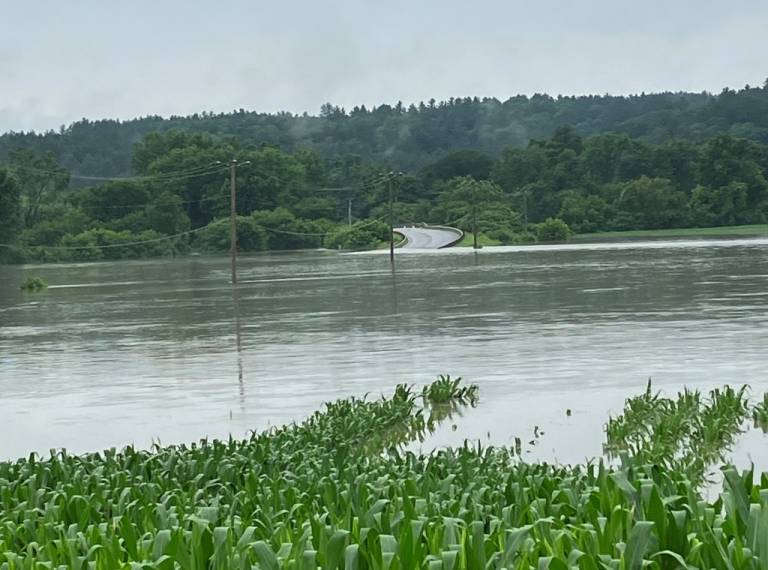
column 428, row 238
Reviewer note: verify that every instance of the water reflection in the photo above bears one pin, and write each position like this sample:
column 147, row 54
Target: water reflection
column 238, row 345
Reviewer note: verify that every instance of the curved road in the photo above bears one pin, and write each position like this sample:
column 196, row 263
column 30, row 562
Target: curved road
column 427, row 238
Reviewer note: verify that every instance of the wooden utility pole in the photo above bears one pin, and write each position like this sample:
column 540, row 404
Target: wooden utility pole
column 525, row 210
column 391, row 222
column 233, row 164
column 349, row 212
column 233, row 217
column 474, row 215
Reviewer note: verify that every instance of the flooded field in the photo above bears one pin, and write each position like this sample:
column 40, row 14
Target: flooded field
column 135, row 352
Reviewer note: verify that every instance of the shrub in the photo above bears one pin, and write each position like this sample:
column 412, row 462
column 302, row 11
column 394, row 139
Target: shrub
column 33, row 284
column 361, row 236
column 98, row 244
column 553, row 229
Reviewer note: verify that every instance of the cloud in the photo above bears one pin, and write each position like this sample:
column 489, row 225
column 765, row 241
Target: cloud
column 69, row 60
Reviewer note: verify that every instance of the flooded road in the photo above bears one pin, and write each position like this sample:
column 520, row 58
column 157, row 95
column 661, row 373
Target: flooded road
column 135, row 352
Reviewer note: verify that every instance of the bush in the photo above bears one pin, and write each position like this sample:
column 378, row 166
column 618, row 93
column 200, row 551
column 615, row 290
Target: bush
column 33, row 284
column 286, row 231
column 96, row 244
column 505, row 236
column 361, row 236
column 553, row 229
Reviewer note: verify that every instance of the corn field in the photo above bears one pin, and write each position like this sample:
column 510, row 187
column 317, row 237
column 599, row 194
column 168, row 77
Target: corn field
column 338, row 491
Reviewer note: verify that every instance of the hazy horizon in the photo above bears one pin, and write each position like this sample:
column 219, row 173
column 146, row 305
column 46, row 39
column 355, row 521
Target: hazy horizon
column 65, row 62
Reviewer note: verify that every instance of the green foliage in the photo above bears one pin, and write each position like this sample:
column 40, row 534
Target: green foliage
column 363, row 235
column 469, row 204
column 301, row 199
column 446, row 389
column 215, row 236
column 552, row 229
column 648, row 203
column 98, row 244
column 584, row 213
column 722, row 206
column 40, row 176
column 286, row 231
column 33, row 284
column 413, row 137
column 10, row 212
column 458, row 164
column 760, row 413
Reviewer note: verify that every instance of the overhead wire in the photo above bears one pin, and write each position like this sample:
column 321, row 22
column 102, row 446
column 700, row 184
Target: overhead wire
column 177, row 175
column 174, row 236
column 114, row 245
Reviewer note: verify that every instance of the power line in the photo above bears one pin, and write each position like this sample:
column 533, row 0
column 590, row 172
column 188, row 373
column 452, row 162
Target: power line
column 113, row 245
column 174, row 236
column 148, row 203
column 275, row 230
column 177, row 175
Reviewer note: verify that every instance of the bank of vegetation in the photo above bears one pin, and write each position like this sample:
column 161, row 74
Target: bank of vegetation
column 342, row 491
column 297, row 191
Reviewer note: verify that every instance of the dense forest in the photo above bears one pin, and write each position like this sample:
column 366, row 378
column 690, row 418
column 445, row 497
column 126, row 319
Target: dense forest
column 411, row 137
column 702, row 162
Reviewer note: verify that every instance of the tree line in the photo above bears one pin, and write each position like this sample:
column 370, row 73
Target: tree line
column 409, row 137
column 178, row 198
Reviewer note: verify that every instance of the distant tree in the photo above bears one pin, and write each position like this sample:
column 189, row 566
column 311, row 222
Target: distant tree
column 10, row 211
column 468, row 204
column 113, row 200
column 158, row 145
column 649, row 203
column 472, row 163
column 584, row 213
column 726, row 205
column 166, row 214
column 40, row 175
column 726, row 160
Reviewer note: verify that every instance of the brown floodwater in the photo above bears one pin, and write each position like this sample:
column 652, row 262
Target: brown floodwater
column 167, row 350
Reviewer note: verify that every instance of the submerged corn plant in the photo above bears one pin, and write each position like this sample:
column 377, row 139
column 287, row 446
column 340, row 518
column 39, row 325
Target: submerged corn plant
column 446, row 389
column 760, row 413
column 688, row 433
column 333, row 493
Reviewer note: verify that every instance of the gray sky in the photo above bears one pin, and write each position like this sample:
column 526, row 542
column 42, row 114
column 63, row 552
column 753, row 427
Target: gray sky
column 61, row 60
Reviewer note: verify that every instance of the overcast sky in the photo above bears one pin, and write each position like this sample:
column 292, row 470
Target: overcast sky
column 61, row 60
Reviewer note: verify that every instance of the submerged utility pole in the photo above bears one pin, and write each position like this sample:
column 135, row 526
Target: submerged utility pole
column 388, row 178
column 233, row 164
column 473, row 199
column 233, row 217
column 391, row 223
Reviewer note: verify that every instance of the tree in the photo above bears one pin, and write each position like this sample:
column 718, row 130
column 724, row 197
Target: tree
column 166, row 214
column 472, row 163
column 726, row 205
column 39, row 175
column 584, row 213
column 476, row 206
column 10, row 211
column 649, row 203
column 113, row 200
column 727, row 159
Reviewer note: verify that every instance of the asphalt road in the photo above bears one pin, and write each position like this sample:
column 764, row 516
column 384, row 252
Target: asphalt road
column 427, row 238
